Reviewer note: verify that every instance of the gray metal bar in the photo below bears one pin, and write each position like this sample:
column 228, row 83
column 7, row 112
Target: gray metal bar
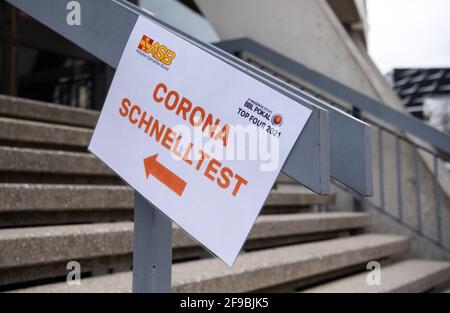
column 352, row 97
column 99, row 33
column 152, row 248
column 437, row 196
column 317, row 128
column 411, row 228
column 399, row 179
column 350, row 148
column 350, row 139
column 381, row 167
column 106, row 26
column 350, row 142
column 418, row 183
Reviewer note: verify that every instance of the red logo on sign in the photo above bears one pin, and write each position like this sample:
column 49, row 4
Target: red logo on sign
column 145, row 42
column 277, row 120
column 157, row 50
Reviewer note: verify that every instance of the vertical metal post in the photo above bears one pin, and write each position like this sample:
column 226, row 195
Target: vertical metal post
column 152, row 248
column 399, row 179
column 437, row 196
column 418, row 198
column 381, row 169
column 357, row 200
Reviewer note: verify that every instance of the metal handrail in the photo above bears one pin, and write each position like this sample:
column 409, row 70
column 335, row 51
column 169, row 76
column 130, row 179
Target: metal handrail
column 338, row 90
column 106, row 27
column 349, row 146
column 417, row 228
column 286, row 70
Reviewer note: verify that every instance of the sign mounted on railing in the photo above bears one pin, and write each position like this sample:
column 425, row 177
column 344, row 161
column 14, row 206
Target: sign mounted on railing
column 199, row 139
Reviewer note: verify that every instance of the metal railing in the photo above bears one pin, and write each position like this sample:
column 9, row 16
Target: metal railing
column 428, row 223
column 333, row 90
column 412, row 217
column 400, row 215
column 105, row 30
column 349, row 159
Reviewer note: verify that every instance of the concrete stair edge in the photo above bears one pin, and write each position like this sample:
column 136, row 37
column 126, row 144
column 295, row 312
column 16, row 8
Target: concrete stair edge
column 409, row 276
column 47, row 112
column 46, row 244
column 255, row 270
column 34, row 132
column 25, row 197
column 19, row 160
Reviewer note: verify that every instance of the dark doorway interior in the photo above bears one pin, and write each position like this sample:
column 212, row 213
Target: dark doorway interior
column 39, row 64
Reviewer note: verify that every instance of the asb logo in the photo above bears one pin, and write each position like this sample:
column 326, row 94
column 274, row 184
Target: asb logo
column 158, row 51
column 277, row 119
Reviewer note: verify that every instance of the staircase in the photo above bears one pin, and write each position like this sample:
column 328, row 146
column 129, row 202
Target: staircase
column 60, row 204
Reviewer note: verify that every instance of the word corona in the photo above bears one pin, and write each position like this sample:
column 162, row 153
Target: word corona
column 195, row 115
column 214, row 170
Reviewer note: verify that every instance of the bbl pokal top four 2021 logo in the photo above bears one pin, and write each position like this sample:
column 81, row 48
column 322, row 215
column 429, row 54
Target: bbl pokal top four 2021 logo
column 156, row 52
column 262, row 117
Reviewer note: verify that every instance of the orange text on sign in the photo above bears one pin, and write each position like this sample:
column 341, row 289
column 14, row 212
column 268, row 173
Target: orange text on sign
column 214, row 170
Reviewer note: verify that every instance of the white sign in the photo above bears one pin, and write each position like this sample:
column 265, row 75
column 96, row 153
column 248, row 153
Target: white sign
column 199, row 139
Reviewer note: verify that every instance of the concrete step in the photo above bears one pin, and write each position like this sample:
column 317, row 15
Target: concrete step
column 23, row 133
column 31, row 165
column 60, row 197
column 45, row 244
column 300, row 195
column 284, row 179
column 257, row 270
column 42, row 252
column 50, row 162
column 46, row 112
column 48, row 166
column 49, row 204
column 405, row 277
column 25, row 197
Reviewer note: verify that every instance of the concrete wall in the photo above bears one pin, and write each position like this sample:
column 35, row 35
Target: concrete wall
column 310, row 32
column 353, row 16
column 299, row 29
column 181, row 17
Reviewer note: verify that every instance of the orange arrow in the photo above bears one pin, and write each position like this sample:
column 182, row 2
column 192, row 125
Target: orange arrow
column 164, row 175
